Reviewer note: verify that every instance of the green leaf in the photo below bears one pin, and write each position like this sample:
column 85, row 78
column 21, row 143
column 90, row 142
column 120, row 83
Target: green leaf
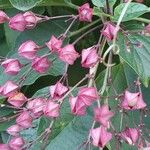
column 24, row 5
column 5, row 125
column 117, row 77
column 73, row 135
column 28, row 4
column 4, row 4
column 69, row 3
column 102, row 3
column 134, row 10
column 136, row 54
column 4, row 111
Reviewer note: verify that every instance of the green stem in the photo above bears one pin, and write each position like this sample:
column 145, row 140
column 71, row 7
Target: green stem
column 119, row 22
column 121, row 120
column 137, row 19
column 83, row 29
column 104, row 82
column 142, row 20
column 71, row 4
column 106, row 15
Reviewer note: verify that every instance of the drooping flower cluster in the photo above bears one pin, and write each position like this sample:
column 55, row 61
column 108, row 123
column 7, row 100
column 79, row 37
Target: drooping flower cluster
column 34, row 108
column 87, row 96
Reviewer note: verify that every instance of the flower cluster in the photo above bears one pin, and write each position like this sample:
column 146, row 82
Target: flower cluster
column 49, row 106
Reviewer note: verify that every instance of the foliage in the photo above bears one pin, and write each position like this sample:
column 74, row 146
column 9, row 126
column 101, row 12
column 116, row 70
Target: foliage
column 123, row 64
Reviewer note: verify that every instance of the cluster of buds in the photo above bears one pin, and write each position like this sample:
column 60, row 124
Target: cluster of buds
column 29, row 20
column 31, row 109
column 21, row 21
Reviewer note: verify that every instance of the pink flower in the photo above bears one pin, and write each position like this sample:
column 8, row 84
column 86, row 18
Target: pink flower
column 85, row 13
column 109, row 31
column 41, row 64
column 14, row 130
column 17, row 100
column 88, row 95
column 28, row 49
column 31, row 19
column 51, row 109
column 68, row 54
column 36, row 106
column 24, row 120
column 16, row 143
column 54, row 44
column 58, row 90
column 5, row 147
column 147, row 28
column 103, row 115
column 3, row 17
column 100, row 136
column 77, row 106
column 130, row 135
column 18, row 22
column 11, row 66
column 89, row 57
column 8, row 89
column 132, row 101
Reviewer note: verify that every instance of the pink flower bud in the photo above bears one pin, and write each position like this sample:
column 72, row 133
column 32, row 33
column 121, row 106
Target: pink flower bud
column 147, row 28
column 88, row 95
column 85, row 13
column 14, row 130
column 36, row 106
column 24, row 120
column 28, row 49
column 5, row 147
column 77, row 106
column 8, row 89
column 68, row 54
column 16, row 143
column 51, row 109
column 18, row 22
column 100, row 136
column 17, row 100
column 41, row 64
column 58, row 90
column 54, row 44
column 109, row 31
column 89, row 57
column 11, row 66
column 103, row 115
column 130, row 135
column 3, row 17
column 31, row 19
column 132, row 101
